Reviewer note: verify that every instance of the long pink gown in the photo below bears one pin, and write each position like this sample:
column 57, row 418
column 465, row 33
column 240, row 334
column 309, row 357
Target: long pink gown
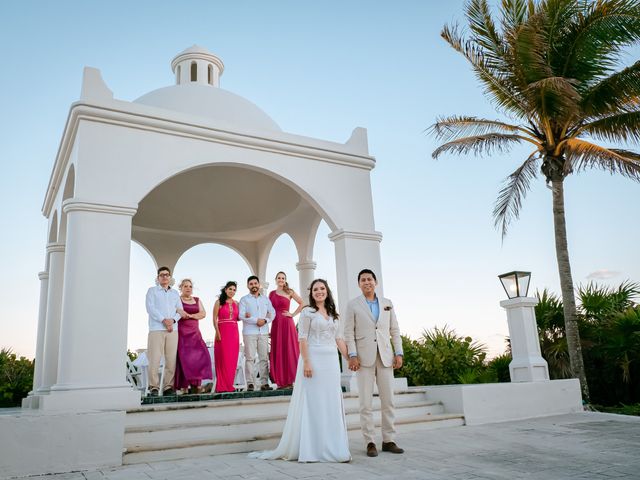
column 193, row 363
column 226, row 350
column 284, row 343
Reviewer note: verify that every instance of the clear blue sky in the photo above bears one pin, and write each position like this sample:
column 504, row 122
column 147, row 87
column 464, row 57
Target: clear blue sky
column 319, row 69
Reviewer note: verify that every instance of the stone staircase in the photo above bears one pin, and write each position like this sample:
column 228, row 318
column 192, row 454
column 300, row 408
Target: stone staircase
column 171, row 431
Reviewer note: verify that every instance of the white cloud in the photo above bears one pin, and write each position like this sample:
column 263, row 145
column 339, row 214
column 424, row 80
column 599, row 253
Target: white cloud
column 602, row 274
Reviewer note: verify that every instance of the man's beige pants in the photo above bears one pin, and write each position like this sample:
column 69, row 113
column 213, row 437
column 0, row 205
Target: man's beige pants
column 253, row 344
column 161, row 343
column 383, row 376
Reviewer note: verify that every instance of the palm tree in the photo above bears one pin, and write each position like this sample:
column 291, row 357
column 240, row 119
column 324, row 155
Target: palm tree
column 554, row 66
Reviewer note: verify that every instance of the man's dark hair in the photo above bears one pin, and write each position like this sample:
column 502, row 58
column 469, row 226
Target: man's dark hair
column 366, row 270
column 253, row 277
column 164, row 269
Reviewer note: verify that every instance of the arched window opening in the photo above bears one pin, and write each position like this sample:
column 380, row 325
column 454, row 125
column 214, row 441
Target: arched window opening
column 194, row 72
column 178, row 75
column 210, row 69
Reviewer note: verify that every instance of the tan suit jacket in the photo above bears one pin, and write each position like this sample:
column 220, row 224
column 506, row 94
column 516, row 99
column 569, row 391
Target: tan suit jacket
column 366, row 338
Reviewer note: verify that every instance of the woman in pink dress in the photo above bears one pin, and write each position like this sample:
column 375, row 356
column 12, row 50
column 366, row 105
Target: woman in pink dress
column 285, row 349
column 193, row 363
column 227, row 344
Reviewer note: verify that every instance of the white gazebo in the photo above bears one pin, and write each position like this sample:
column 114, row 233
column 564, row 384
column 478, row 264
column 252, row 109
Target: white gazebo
column 123, row 172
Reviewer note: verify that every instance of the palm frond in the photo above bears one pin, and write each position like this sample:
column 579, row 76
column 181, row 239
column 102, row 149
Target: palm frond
column 593, row 41
column 516, row 186
column 480, row 144
column 623, row 127
column 515, row 13
column 582, row 155
column 555, row 97
column 453, row 127
column 485, row 33
column 614, row 93
column 496, row 85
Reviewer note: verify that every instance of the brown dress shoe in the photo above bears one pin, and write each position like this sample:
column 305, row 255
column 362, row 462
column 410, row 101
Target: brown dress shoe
column 391, row 447
column 372, row 451
column 250, row 387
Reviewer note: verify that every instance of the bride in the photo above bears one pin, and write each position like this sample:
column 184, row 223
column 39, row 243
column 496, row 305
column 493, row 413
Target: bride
column 316, row 430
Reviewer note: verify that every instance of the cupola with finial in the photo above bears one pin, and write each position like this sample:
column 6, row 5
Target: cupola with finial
column 197, row 65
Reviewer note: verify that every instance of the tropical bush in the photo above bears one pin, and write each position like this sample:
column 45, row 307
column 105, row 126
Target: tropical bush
column 442, row 357
column 609, row 323
column 16, row 378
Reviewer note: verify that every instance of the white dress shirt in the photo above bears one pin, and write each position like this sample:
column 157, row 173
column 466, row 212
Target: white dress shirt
column 258, row 307
column 162, row 304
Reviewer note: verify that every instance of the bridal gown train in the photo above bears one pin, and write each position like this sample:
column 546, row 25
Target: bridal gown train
column 315, row 429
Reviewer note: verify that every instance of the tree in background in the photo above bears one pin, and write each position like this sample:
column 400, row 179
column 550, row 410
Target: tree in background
column 16, row 378
column 609, row 322
column 554, row 67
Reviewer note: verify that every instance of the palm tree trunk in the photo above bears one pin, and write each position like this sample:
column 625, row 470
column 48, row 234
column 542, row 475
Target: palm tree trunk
column 566, row 285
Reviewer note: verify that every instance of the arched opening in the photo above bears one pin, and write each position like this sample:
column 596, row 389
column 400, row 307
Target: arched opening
column 178, row 71
column 210, row 266
column 194, row 72
column 221, row 228
column 142, row 274
column 283, row 257
column 68, row 192
column 53, row 228
column 210, row 74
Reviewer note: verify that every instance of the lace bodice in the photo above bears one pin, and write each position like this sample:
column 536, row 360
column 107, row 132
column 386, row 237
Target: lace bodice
column 313, row 327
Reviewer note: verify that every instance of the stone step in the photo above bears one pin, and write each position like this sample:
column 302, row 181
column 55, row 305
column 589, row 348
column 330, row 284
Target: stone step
column 241, row 440
column 256, row 422
column 172, row 431
column 167, row 416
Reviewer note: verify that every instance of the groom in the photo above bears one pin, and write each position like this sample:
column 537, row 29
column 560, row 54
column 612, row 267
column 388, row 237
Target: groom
column 370, row 330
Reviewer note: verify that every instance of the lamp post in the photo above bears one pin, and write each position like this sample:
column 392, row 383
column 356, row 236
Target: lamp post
column 527, row 364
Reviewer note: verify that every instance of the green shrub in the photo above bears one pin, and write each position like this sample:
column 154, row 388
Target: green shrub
column 441, row 357
column 500, row 367
column 16, row 378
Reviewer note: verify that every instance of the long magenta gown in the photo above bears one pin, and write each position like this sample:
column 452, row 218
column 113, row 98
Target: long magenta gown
column 193, row 363
column 284, row 343
column 226, row 350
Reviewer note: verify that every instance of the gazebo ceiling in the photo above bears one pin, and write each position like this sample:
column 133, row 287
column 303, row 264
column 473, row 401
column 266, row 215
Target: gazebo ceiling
column 216, row 199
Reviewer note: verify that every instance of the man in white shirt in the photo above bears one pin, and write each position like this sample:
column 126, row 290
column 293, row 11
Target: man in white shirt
column 165, row 309
column 256, row 312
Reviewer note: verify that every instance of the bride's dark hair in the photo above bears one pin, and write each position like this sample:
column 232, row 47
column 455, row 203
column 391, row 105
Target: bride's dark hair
column 329, row 304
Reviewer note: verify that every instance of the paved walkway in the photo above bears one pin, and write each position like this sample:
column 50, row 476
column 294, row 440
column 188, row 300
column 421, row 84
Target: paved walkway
column 576, row 447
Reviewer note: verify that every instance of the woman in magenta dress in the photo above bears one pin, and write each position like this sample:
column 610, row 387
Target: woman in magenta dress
column 285, row 349
column 193, row 363
column 227, row 344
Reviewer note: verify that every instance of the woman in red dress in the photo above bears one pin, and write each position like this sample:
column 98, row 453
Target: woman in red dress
column 227, row 344
column 193, row 363
column 285, row 349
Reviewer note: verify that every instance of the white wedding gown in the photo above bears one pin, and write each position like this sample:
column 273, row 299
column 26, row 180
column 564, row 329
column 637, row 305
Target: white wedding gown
column 315, row 430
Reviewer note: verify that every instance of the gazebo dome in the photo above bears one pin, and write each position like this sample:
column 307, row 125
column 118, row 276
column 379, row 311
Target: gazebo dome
column 210, row 102
column 197, row 93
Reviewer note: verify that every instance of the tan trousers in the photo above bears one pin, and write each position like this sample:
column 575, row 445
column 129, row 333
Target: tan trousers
column 253, row 344
column 161, row 343
column 383, row 376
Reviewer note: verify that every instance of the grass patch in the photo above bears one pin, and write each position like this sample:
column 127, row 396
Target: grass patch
column 621, row 409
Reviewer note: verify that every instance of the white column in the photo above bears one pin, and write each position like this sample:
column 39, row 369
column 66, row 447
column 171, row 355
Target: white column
column 93, row 334
column 30, row 401
column 527, row 364
column 42, row 312
column 51, row 333
column 306, row 272
column 354, row 252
